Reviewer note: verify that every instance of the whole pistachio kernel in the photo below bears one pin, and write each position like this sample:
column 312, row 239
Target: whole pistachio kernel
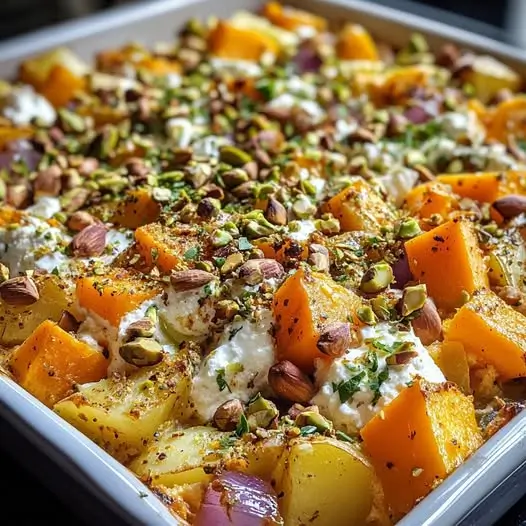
column 221, row 238
column 261, row 412
column 327, row 226
column 377, row 278
column 233, row 156
column 366, row 315
column 142, row 352
column 313, row 418
column 208, row 207
column 234, row 177
column 303, row 208
column 413, row 299
column 409, row 228
column 276, row 213
column 231, row 263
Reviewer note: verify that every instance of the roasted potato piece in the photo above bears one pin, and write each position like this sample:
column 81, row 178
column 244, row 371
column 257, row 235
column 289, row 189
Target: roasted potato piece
column 18, row 322
column 328, row 483
column 121, row 414
column 488, row 76
column 179, row 457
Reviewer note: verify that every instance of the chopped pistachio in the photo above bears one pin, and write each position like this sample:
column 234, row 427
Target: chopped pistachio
column 233, row 156
column 366, row 315
column 377, row 278
column 413, row 299
column 221, row 238
column 409, row 228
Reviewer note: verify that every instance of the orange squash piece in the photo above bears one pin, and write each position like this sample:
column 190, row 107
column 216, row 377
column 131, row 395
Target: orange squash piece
column 449, row 261
column 51, row 361
column 231, row 42
column 418, row 439
column 508, row 119
column 493, row 332
column 112, row 296
column 360, row 207
column 355, row 43
column 9, row 134
column 282, row 249
column 482, row 187
column 428, row 199
column 167, row 248
column 292, row 19
column 61, row 86
column 138, row 208
column 400, row 83
column 452, row 360
column 304, row 304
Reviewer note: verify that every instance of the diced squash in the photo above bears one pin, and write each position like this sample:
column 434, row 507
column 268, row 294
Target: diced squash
column 231, row 42
column 112, row 296
column 57, row 74
column 293, row 19
column 512, row 182
column 18, row 322
column 168, row 248
column 360, row 207
column 355, row 43
column 122, row 414
column 449, row 261
column 488, row 76
column 138, row 208
column 400, row 83
column 9, row 134
column 51, row 362
column 418, row 439
column 429, row 199
column 9, row 216
column 508, row 119
column 452, row 360
column 493, row 332
column 282, row 249
column 483, row 187
column 303, row 305
column 327, row 482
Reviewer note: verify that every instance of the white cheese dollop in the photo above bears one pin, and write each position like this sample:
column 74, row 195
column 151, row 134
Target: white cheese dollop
column 398, row 183
column 21, row 246
column 460, row 126
column 304, row 229
column 351, row 415
column 23, row 104
column 288, row 101
column 45, row 207
column 209, row 146
column 242, row 68
column 181, row 130
column 237, row 368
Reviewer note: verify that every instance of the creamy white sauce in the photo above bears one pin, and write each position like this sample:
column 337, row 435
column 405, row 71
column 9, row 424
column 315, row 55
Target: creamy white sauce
column 398, row 183
column 242, row 68
column 304, row 229
column 23, row 104
column 181, row 130
column 45, row 207
column 243, row 358
column 351, row 415
column 20, row 247
column 209, row 146
column 461, row 126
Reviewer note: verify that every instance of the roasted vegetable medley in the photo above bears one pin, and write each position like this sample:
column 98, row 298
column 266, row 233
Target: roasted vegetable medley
column 276, row 267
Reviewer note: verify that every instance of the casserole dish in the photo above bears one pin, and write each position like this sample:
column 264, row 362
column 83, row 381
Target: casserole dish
column 485, row 470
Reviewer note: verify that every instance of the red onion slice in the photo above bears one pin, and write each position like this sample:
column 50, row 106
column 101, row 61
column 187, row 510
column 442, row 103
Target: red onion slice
column 237, row 499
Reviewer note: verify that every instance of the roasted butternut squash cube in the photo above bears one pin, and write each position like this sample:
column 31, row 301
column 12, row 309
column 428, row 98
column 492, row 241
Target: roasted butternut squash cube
column 509, row 118
column 292, row 19
column 449, row 261
column 302, row 307
column 168, row 248
column 428, row 199
column 138, row 208
column 355, row 43
column 360, row 207
column 113, row 295
column 453, row 362
column 483, row 187
column 232, row 42
column 51, row 362
column 57, row 74
column 122, row 414
column 418, row 439
column 493, row 332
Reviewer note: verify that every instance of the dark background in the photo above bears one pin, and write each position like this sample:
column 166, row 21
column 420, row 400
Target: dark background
column 26, row 499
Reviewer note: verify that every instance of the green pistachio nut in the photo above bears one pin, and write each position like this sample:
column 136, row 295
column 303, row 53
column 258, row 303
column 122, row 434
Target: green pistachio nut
column 377, row 278
column 413, row 299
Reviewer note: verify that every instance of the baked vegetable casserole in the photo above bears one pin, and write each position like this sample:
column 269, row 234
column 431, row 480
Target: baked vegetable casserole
column 275, row 267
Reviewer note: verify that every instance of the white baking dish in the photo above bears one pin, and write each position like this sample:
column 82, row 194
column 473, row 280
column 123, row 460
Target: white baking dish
column 113, row 484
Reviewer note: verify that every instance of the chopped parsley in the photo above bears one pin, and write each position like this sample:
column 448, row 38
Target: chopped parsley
column 228, row 441
column 221, row 380
column 242, row 426
column 347, row 388
column 308, row 430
